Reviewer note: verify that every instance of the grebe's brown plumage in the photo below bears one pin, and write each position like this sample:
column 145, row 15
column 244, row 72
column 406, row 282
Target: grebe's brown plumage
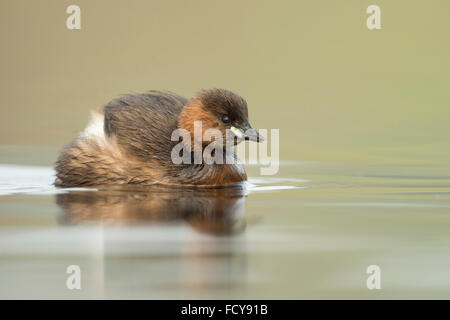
column 129, row 141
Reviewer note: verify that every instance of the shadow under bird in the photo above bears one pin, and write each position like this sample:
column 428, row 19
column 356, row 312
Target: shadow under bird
column 213, row 211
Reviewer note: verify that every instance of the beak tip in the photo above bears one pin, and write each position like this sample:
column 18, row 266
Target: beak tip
column 252, row 135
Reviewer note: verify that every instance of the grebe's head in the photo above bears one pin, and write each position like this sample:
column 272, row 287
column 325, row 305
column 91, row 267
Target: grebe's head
column 221, row 110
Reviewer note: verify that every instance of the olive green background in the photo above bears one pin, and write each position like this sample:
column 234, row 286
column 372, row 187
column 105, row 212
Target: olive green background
column 364, row 143
column 336, row 90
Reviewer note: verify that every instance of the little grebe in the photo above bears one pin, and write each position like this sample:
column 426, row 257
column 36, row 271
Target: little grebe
column 129, row 141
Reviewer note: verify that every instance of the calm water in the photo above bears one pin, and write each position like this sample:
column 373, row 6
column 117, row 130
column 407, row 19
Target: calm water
column 364, row 147
column 309, row 232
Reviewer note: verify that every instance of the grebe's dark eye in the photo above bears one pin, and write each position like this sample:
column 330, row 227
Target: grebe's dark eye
column 226, row 119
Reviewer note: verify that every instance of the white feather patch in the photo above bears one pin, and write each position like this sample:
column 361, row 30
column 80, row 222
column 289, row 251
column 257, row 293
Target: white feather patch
column 237, row 132
column 95, row 129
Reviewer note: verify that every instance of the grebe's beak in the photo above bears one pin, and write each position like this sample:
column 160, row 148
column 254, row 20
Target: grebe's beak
column 253, row 135
column 245, row 131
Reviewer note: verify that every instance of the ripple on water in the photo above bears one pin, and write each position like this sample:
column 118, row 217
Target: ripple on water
column 38, row 180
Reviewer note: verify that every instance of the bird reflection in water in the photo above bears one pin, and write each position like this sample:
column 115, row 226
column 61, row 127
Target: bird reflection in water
column 214, row 211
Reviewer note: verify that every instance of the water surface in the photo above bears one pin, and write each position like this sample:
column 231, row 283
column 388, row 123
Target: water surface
column 308, row 233
column 364, row 148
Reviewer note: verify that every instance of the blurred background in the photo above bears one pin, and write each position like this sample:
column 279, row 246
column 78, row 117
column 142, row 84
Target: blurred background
column 364, row 147
column 335, row 89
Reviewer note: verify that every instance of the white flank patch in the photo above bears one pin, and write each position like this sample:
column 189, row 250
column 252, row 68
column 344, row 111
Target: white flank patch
column 95, row 129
